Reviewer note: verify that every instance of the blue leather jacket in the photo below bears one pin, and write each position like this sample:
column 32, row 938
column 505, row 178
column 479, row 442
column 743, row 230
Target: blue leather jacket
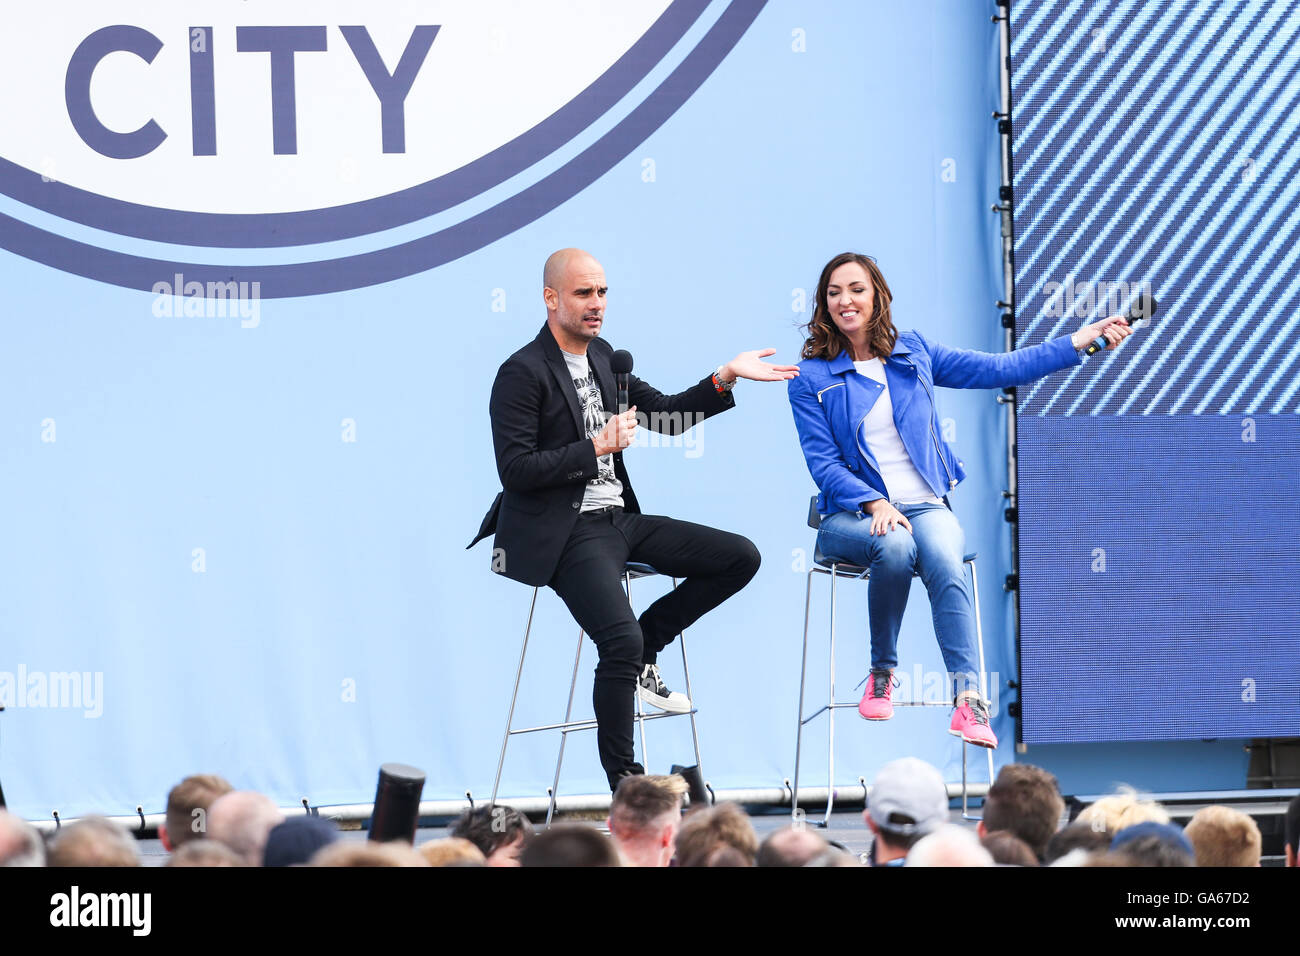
column 830, row 399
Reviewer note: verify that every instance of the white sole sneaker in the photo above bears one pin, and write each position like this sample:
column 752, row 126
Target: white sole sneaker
column 674, row 703
column 648, row 686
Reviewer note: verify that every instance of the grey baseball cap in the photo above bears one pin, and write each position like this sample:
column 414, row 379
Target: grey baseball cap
column 911, row 788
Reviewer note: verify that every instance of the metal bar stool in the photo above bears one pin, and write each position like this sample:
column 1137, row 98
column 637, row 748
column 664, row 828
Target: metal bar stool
column 631, row 572
column 841, row 569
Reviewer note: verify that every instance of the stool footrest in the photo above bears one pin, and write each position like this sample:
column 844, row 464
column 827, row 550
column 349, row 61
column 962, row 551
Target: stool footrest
column 898, row 703
column 590, row 723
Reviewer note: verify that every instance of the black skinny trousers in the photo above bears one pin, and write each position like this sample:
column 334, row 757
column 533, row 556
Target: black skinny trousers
column 589, row 578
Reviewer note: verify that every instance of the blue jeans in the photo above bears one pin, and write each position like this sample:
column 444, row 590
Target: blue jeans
column 933, row 549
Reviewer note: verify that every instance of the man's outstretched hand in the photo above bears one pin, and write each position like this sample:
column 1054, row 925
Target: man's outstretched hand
column 750, row 365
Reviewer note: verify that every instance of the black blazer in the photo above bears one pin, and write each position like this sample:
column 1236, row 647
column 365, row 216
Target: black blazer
column 545, row 458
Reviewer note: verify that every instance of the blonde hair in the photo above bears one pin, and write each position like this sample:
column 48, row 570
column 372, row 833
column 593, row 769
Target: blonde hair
column 708, row 829
column 451, row 851
column 1120, row 810
column 368, row 853
column 1224, row 837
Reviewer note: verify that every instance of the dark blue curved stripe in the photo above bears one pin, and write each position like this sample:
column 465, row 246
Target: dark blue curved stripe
column 270, row 230
column 383, row 265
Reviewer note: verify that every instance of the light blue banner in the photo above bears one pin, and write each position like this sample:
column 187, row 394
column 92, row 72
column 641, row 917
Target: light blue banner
column 246, row 521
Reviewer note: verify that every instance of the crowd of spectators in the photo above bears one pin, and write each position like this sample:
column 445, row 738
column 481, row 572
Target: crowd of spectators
column 209, row 823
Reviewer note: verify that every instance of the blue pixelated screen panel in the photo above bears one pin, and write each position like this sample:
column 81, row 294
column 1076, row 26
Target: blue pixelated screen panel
column 1155, row 147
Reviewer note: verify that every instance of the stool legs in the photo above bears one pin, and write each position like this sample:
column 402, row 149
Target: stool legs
column 830, row 715
column 979, row 643
column 510, row 715
column 564, row 732
column 569, row 725
column 831, row 705
column 803, row 673
column 686, row 671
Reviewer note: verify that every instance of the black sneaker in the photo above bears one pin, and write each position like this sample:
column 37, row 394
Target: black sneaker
column 651, row 688
column 631, row 770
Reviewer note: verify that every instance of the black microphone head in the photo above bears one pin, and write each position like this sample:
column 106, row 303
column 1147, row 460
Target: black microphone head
column 1143, row 308
column 621, row 362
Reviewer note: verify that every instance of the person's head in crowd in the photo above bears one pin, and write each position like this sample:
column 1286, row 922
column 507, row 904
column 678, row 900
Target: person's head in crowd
column 723, row 855
column 707, row 831
column 1113, row 860
column 1008, row 849
column 1292, row 848
column 1222, row 836
column 295, row 841
column 93, row 841
column 1154, row 844
column 791, row 846
column 452, row 851
column 644, row 816
column 570, row 844
column 241, row 819
column 366, row 853
column 949, row 845
column 1077, row 836
column 907, row 801
column 833, row 856
column 205, row 852
column 1025, row 802
column 501, row 832
column 20, row 842
column 187, row 809
column 1121, row 810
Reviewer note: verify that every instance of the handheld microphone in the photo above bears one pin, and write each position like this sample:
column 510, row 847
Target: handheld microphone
column 1142, row 309
column 621, row 363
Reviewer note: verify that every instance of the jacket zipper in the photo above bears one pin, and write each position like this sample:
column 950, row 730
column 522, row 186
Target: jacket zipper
column 866, row 457
column 827, row 389
column 952, row 482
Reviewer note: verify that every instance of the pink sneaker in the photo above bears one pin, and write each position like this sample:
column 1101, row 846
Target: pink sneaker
column 875, row 704
column 970, row 722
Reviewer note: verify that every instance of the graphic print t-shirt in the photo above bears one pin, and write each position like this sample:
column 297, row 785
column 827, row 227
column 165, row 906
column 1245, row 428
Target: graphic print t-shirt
column 604, row 489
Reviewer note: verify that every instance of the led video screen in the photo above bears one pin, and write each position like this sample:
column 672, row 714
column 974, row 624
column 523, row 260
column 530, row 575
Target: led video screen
column 1155, row 146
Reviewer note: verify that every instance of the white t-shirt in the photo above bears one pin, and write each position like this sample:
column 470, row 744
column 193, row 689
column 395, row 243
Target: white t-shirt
column 605, row 489
column 903, row 482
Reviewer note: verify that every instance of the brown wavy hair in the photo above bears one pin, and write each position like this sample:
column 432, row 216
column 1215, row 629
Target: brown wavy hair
column 825, row 340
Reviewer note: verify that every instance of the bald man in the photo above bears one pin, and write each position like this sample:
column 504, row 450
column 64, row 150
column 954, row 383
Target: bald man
column 568, row 517
column 242, row 820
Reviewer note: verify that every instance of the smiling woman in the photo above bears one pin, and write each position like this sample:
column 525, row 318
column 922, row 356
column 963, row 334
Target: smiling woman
column 864, row 408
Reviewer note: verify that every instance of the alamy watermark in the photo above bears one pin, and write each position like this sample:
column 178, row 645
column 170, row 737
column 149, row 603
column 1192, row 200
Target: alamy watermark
column 932, row 687
column 1088, row 298
column 177, row 298
column 75, row 690
column 668, row 430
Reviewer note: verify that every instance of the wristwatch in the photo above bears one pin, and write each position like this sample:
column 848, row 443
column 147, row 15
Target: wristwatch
column 721, row 384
